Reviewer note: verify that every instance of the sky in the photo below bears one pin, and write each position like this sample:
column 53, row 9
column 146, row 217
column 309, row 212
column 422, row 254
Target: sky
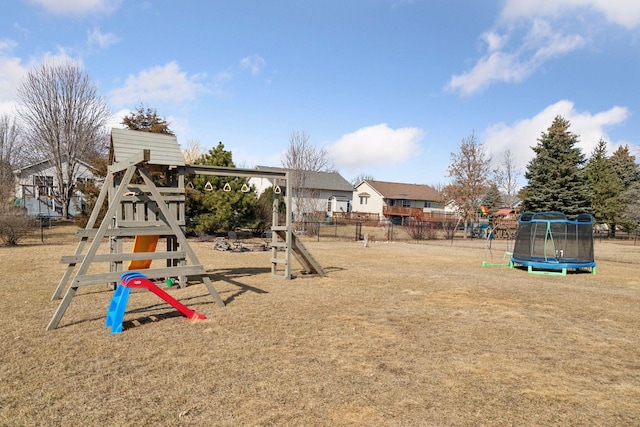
column 389, row 87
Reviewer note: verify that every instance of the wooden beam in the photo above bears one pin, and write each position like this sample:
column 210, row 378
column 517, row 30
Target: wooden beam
column 74, row 259
column 175, row 227
column 239, row 172
column 143, row 157
column 129, row 232
column 151, row 273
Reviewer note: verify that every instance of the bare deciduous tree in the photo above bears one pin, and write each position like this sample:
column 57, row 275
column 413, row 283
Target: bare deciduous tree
column 8, row 156
column 192, row 152
column 469, row 170
column 361, row 177
column 506, row 177
column 301, row 158
column 63, row 120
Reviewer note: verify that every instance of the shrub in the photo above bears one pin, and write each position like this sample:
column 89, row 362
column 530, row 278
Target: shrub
column 14, row 226
column 449, row 228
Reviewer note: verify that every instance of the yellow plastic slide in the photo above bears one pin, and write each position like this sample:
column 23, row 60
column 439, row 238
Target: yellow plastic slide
column 143, row 244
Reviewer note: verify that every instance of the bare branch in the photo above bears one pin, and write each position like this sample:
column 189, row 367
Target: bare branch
column 506, row 177
column 469, row 170
column 301, row 158
column 63, row 118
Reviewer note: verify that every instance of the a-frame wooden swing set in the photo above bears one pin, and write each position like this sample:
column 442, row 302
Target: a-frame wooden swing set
column 136, row 210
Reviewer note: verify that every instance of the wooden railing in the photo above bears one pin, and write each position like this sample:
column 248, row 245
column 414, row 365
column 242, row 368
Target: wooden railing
column 401, row 211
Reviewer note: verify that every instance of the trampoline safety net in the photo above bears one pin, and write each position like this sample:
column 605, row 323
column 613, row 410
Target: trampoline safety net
column 548, row 239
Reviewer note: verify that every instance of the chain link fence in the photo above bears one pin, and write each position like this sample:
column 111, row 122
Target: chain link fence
column 385, row 231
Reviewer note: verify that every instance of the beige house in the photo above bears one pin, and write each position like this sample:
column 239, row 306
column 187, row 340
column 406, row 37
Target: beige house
column 397, row 202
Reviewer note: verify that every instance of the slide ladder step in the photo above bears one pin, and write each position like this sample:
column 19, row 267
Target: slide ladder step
column 117, row 307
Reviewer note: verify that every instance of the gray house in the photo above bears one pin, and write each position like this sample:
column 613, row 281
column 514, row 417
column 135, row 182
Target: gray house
column 37, row 187
column 323, row 191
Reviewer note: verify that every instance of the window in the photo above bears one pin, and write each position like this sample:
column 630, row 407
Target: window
column 427, row 204
column 363, row 200
column 406, row 203
column 43, row 181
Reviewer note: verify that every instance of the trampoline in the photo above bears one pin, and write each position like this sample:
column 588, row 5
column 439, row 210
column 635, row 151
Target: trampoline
column 550, row 243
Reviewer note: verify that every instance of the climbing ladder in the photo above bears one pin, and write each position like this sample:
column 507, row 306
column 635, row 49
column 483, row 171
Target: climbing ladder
column 300, row 252
column 134, row 209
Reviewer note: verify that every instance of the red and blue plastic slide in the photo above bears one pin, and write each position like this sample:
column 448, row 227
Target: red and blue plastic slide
column 133, row 279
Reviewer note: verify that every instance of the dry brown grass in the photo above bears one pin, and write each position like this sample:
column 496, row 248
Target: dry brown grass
column 397, row 334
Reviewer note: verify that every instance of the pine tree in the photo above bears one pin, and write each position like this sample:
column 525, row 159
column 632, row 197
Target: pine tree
column 631, row 215
column 555, row 179
column 607, row 203
column 628, row 171
column 146, row 120
column 625, row 166
column 218, row 203
column 492, row 199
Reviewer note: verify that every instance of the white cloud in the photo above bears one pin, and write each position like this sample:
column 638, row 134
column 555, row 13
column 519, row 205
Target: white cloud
column 625, row 13
column 494, row 40
column 499, row 64
column 375, row 146
column 255, row 63
column 11, row 72
column 78, row 7
column 115, row 121
column 520, row 136
column 159, row 83
column 102, row 40
column 531, row 33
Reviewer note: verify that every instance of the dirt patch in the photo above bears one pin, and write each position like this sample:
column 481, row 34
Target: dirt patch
column 396, row 334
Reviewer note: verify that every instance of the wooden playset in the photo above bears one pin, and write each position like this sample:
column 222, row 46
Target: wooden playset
column 148, row 211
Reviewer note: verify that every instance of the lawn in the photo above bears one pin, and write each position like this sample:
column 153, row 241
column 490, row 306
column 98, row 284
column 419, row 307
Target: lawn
column 396, row 334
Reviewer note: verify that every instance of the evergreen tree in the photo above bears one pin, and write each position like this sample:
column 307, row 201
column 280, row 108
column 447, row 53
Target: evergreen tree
column 555, row 179
column 631, row 215
column 264, row 209
column 492, row 199
column 607, row 203
column 628, row 171
column 218, row 203
column 625, row 166
column 147, row 120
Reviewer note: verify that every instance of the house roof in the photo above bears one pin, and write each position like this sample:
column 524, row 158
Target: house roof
column 332, row 181
column 396, row 190
column 504, row 212
column 18, row 171
column 126, row 143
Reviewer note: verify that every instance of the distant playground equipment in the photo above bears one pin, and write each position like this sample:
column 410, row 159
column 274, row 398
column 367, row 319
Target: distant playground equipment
column 118, row 305
column 148, row 212
column 549, row 243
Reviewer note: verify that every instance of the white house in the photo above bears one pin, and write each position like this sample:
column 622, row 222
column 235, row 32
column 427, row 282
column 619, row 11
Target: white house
column 37, row 187
column 397, row 201
column 325, row 191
